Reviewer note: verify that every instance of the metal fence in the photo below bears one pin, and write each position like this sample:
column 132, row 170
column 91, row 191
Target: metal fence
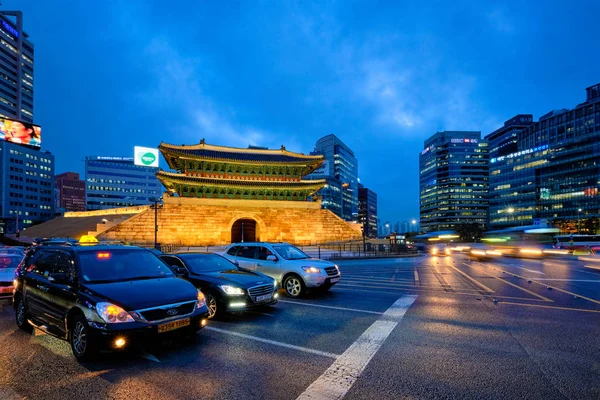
column 324, row 251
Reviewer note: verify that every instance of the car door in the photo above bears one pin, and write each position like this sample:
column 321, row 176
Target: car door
column 246, row 257
column 47, row 299
column 62, row 294
column 268, row 267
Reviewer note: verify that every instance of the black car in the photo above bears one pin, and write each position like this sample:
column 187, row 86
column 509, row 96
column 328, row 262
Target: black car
column 104, row 297
column 227, row 287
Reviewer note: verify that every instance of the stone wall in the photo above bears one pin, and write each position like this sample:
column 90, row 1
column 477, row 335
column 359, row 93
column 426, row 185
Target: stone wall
column 203, row 222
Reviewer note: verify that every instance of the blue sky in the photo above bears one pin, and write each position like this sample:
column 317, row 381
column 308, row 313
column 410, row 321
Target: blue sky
column 382, row 76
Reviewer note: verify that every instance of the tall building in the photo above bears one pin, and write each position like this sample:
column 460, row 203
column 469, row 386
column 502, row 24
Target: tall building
column 16, row 68
column 26, row 174
column 71, row 191
column 27, row 182
column 118, row 182
column 340, row 170
column 453, row 180
column 552, row 175
column 367, row 211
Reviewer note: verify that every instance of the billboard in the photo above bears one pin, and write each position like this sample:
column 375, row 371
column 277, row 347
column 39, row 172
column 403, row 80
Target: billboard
column 20, row 132
column 145, row 156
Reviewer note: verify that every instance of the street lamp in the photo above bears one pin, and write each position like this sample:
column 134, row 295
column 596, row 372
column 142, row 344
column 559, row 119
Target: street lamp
column 156, row 200
column 511, row 211
column 578, row 211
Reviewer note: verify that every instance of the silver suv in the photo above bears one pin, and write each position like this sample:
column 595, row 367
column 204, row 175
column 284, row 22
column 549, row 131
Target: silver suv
column 289, row 266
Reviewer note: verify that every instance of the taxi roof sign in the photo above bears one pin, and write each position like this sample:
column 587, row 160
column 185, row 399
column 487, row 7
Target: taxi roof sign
column 88, row 239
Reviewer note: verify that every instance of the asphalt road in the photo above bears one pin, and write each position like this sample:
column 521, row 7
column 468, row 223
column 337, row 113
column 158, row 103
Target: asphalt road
column 426, row 327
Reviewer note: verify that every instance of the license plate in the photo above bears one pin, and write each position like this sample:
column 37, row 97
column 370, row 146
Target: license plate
column 169, row 326
column 264, row 297
column 6, row 289
column 334, row 280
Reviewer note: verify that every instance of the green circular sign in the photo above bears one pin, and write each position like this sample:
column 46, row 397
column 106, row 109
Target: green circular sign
column 148, row 158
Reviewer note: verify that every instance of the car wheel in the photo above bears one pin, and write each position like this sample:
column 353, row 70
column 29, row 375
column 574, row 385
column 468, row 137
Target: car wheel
column 293, row 285
column 82, row 343
column 212, row 305
column 21, row 316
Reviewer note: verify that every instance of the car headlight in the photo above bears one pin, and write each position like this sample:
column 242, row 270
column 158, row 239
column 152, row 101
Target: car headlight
column 232, row 290
column 201, row 300
column 112, row 314
column 312, row 270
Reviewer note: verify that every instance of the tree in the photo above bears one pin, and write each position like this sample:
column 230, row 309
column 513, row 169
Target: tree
column 471, row 232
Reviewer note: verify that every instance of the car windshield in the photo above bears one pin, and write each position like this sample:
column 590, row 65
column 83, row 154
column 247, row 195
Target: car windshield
column 101, row 266
column 201, row 263
column 9, row 261
column 289, row 252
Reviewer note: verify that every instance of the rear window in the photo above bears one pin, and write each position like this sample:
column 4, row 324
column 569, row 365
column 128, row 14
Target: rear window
column 102, row 266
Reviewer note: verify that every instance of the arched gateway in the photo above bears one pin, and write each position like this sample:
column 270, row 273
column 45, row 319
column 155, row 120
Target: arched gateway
column 243, row 230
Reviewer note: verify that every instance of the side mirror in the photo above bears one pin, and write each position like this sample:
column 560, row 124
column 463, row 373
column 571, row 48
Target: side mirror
column 271, row 257
column 234, row 262
column 181, row 271
column 59, row 277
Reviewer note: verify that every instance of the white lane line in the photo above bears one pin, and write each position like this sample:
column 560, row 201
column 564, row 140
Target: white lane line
column 331, row 307
column 416, row 276
column 531, row 270
column 337, row 380
column 566, row 280
column 273, row 342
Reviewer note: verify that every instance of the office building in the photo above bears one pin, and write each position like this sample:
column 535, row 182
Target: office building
column 118, row 182
column 453, row 181
column 70, row 192
column 16, row 68
column 367, row 211
column 340, row 170
column 26, row 175
column 27, row 182
column 552, row 175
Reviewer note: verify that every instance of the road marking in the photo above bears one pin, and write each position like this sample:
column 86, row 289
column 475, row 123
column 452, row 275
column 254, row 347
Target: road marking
column 416, row 276
column 531, row 270
column 550, row 307
column 273, row 342
column 567, row 280
column 337, row 380
column 393, row 285
column 440, row 292
column 517, row 286
column 331, row 307
column 475, row 281
column 559, row 289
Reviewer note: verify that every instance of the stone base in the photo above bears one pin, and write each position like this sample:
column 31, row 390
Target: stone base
column 204, row 222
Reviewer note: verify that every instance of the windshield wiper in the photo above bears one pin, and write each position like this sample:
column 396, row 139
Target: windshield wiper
column 139, row 278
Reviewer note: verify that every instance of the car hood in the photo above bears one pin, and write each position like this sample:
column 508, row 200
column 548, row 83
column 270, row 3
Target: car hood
column 242, row 278
column 137, row 295
column 310, row 262
column 7, row 274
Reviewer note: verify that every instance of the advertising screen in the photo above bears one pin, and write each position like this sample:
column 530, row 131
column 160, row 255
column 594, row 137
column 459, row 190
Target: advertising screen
column 20, row 132
column 145, row 156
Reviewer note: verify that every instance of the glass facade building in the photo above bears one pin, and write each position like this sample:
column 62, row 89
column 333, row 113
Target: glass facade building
column 16, row 68
column 117, row 182
column 453, row 181
column 340, row 169
column 367, row 211
column 552, row 177
column 27, row 182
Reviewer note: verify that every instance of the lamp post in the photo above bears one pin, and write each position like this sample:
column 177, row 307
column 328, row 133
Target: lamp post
column 578, row 212
column 155, row 200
